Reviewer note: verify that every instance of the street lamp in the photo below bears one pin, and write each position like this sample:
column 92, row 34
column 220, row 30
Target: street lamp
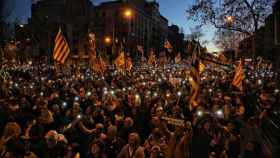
column 229, row 20
column 128, row 13
column 91, row 36
column 107, row 40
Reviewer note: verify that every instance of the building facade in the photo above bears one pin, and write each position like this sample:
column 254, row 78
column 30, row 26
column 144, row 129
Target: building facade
column 143, row 25
column 71, row 16
column 176, row 38
column 267, row 38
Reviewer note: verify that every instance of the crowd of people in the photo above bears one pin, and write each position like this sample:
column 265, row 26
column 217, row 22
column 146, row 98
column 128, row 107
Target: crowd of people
column 75, row 112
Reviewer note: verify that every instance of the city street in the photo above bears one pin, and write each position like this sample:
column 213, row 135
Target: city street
column 128, row 79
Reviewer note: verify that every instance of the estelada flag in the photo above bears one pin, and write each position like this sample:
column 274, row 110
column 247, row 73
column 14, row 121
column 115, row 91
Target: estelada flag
column 194, row 79
column 239, row 76
column 152, row 59
column 201, row 67
column 168, row 45
column 178, row 58
column 120, row 61
column 129, row 64
column 103, row 65
column 95, row 65
column 61, row 48
column 92, row 47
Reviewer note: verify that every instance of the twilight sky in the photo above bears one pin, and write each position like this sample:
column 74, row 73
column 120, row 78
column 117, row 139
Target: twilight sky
column 173, row 10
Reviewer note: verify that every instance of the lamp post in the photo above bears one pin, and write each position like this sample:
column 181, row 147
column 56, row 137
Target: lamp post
column 108, row 42
column 229, row 22
column 128, row 15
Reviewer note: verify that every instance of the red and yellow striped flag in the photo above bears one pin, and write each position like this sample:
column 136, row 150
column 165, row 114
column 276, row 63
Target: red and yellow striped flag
column 92, row 47
column 194, row 79
column 168, row 45
column 201, row 67
column 120, row 61
column 178, row 58
column 129, row 64
column 61, row 48
column 239, row 76
column 152, row 59
column 103, row 65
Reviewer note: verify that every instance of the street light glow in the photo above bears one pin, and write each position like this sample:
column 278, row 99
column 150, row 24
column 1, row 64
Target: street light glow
column 128, row 13
column 199, row 113
column 219, row 113
column 107, row 40
column 229, row 18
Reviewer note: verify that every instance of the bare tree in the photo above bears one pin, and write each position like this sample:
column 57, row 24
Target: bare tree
column 244, row 16
column 197, row 35
column 227, row 39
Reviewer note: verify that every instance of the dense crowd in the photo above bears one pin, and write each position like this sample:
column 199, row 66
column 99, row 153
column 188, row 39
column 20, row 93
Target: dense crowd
column 67, row 112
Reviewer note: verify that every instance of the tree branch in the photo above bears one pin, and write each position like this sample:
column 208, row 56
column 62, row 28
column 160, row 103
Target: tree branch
column 233, row 29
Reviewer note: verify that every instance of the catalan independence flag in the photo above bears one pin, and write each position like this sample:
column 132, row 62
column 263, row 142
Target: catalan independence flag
column 92, row 47
column 178, row 58
column 61, row 48
column 168, row 46
column 120, row 61
column 129, row 64
column 103, row 65
column 239, row 76
column 194, row 79
column 152, row 59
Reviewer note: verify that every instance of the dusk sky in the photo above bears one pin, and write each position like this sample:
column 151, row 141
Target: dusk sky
column 173, row 10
